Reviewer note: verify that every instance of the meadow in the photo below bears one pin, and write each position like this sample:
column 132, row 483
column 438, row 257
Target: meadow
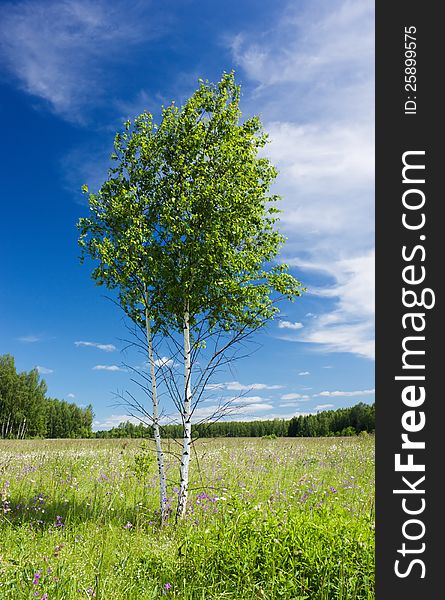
column 285, row 518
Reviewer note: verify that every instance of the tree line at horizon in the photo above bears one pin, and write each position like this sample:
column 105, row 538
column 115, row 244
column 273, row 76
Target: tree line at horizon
column 339, row 422
column 27, row 412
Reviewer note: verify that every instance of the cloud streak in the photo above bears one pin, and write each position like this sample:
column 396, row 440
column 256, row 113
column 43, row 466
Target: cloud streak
column 29, row 339
column 60, row 51
column 44, row 370
column 236, row 386
column 104, row 347
column 347, row 394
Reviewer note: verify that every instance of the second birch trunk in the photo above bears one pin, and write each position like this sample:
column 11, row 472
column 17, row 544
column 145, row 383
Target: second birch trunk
column 187, row 423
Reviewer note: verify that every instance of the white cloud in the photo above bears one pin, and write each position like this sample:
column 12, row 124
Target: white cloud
column 349, row 327
column 104, row 347
column 294, row 397
column 235, row 385
column 304, row 373
column 108, row 368
column 324, row 406
column 321, row 55
column 44, row 370
column 164, row 361
column 113, row 421
column 289, row 325
column 339, row 393
column 29, row 339
column 70, row 395
column 60, row 51
column 237, row 401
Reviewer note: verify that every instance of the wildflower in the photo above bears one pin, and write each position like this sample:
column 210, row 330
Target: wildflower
column 167, row 586
column 333, row 490
column 37, row 577
column 128, row 525
column 58, row 522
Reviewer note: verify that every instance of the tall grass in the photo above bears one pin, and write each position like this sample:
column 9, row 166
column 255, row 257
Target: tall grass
column 284, row 518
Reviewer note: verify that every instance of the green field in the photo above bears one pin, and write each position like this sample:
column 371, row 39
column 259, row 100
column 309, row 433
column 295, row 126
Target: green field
column 267, row 518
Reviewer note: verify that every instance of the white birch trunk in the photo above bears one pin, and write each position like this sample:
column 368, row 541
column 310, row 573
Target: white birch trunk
column 187, row 424
column 155, row 416
column 7, row 426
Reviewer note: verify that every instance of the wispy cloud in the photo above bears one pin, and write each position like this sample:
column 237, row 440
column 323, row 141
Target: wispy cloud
column 324, row 152
column 289, row 325
column 71, row 396
column 324, row 406
column 304, row 373
column 240, row 387
column 108, row 368
column 44, row 370
column 104, row 347
column 60, row 51
column 350, row 326
column 29, row 339
column 347, row 394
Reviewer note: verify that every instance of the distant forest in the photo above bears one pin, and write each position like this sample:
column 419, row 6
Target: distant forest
column 340, row 422
column 26, row 412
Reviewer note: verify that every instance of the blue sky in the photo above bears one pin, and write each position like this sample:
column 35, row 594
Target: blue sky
column 71, row 72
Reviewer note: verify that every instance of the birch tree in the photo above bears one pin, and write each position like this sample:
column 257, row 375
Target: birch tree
column 196, row 192
column 119, row 235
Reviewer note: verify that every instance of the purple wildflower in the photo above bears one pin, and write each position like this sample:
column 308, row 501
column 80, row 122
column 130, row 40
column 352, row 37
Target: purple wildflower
column 36, row 578
column 128, row 525
column 58, row 522
column 333, row 490
column 167, row 586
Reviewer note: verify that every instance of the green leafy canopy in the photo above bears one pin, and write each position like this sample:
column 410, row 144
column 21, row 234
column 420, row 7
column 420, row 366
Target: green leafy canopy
column 185, row 221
